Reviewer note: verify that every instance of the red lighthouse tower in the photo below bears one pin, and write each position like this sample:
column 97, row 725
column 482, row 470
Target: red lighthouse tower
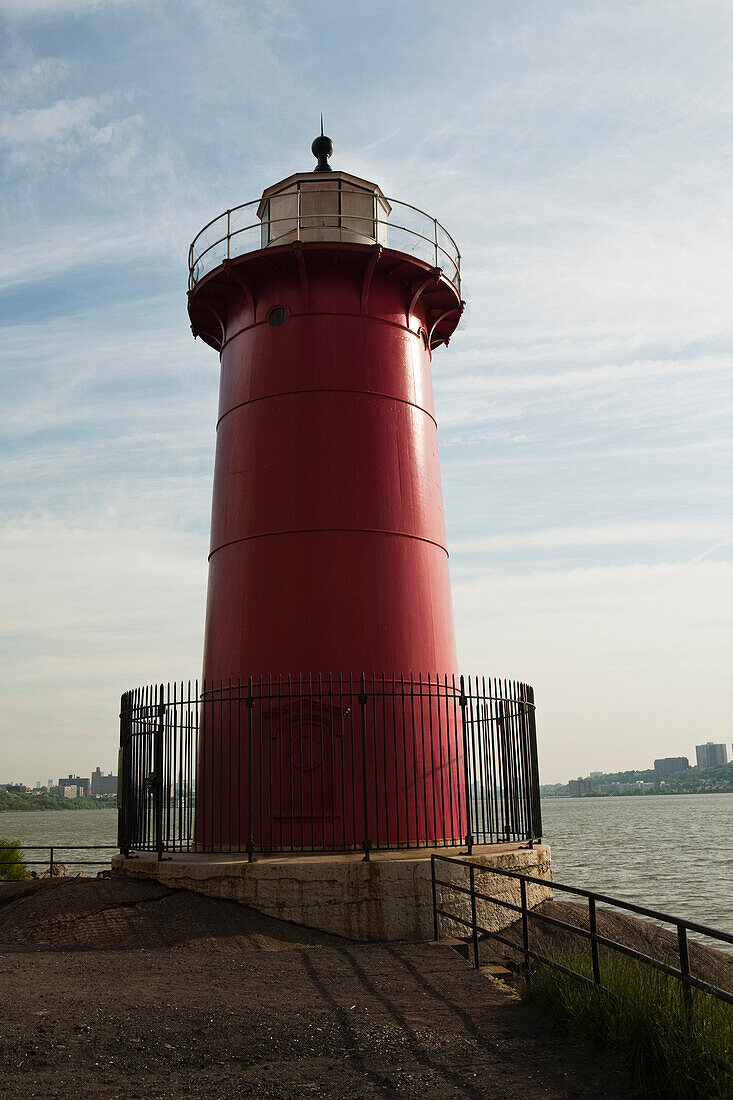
column 328, row 553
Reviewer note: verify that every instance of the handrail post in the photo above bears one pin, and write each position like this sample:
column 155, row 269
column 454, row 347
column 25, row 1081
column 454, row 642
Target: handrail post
column 435, row 235
column 229, row 230
column 463, row 703
column 250, row 838
column 366, row 843
column 435, row 897
column 474, row 926
column 50, row 864
column 593, row 927
column 685, row 971
column 525, row 924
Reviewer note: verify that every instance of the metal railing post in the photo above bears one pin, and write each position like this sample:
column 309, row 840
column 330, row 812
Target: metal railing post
column 463, row 703
column 435, row 897
column 250, row 837
column 685, row 971
column 474, row 927
column 50, row 864
column 525, row 924
column 366, row 843
column 229, row 230
column 593, row 927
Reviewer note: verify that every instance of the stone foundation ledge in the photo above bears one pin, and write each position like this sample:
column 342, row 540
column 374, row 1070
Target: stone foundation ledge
column 388, row 898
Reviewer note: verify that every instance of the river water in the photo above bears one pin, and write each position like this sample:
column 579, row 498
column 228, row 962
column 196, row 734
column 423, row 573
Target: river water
column 671, row 853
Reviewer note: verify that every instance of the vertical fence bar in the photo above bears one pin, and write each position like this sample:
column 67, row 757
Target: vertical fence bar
column 158, row 775
column 463, row 703
column 474, row 926
column 366, row 844
column 435, row 897
column 250, row 838
column 534, row 768
column 50, row 863
column 592, row 924
column 123, row 780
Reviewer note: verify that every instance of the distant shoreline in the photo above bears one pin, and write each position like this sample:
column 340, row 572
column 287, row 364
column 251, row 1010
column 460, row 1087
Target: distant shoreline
column 28, row 803
column 633, row 794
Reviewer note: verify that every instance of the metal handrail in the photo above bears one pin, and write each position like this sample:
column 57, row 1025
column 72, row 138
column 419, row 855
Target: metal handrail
column 53, row 850
column 300, row 221
column 683, row 926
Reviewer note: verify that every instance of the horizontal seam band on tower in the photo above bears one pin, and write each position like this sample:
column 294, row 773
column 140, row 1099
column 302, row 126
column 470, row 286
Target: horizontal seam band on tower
column 324, row 313
column 330, row 531
column 295, row 393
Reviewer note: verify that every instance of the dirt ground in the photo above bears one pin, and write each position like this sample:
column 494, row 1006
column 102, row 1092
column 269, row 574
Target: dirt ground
column 221, row 1003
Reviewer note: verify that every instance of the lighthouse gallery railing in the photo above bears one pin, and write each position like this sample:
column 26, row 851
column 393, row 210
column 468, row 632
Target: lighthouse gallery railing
column 402, row 227
column 328, row 764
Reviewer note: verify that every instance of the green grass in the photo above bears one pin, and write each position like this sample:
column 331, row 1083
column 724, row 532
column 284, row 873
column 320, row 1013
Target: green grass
column 12, row 867
column 643, row 1018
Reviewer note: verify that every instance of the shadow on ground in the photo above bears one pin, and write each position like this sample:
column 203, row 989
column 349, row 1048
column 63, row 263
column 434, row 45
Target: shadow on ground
column 122, row 989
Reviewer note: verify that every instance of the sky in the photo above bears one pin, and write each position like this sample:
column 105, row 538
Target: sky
column 580, row 154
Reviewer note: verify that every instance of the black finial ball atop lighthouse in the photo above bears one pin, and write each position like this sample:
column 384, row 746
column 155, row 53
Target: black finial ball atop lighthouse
column 322, row 149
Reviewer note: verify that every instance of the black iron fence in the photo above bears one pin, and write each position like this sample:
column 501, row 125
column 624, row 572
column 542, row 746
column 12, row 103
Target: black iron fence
column 328, row 764
column 459, row 900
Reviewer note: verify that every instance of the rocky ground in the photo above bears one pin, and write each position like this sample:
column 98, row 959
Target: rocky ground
column 121, row 989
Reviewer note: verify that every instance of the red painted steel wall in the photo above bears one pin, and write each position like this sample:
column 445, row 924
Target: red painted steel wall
column 328, row 546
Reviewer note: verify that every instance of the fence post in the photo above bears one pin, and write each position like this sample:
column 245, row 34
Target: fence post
column 250, row 838
column 366, row 843
column 525, row 924
column 685, row 971
column 474, row 928
column 122, row 770
column 594, row 940
column 435, row 897
column 534, row 768
column 463, row 703
column 50, row 864
column 158, row 777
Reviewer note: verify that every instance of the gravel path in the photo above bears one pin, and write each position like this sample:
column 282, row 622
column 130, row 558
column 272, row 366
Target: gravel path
column 231, row 1004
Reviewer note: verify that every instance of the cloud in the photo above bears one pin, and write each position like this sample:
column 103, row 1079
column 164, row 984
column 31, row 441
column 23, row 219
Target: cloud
column 50, row 124
column 30, row 78
column 28, row 9
column 665, row 531
column 629, row 662
column 91, row 608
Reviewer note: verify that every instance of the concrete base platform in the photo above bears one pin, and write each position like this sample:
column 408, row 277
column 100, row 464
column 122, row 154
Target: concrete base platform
column 388, row 898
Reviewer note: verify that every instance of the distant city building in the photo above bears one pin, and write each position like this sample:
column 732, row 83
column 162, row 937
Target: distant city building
column 81, row 787
column 103, row 784
column 16, row 788
column 579, row 787
column 70, row 790
column 670, row 765
column 710, row 755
